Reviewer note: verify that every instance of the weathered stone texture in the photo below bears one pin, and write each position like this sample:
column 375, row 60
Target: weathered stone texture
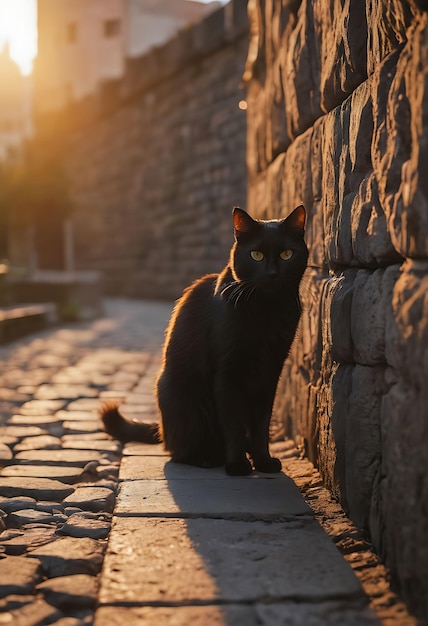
column 337, row 110
column 156, row 161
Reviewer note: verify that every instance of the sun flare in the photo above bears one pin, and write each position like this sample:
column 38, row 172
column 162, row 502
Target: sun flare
column 18, row 28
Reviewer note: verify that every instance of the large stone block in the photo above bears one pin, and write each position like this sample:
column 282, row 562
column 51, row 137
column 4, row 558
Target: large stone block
column 296, row 396
column 399, row 151
column 407, row 324
column 289, row 179
column 372, row 297
column 332, row 409
column 341, row 28
column 405, row 490
column 337, row 315
column 267, row 132
column 371, row 240
column 387, row 24
column 336, row 209
column 258, row 198
column 256, row 161
column 363, row 439
column 300, row 62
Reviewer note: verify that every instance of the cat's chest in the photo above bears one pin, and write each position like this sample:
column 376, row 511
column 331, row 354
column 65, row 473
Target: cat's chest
column 255, row 331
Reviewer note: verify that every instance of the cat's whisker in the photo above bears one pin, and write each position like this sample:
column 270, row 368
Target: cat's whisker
column 232, row 288
column 236, row 291
column 242, row 292
column 250, row 293
column 236, row 294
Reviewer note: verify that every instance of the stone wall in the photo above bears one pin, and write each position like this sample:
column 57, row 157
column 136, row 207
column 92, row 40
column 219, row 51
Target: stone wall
column 337, row 119
column 156, row 160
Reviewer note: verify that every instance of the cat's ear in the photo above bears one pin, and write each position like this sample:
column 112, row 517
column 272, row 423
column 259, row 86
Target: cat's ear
column 242, row 222
column 296, row 219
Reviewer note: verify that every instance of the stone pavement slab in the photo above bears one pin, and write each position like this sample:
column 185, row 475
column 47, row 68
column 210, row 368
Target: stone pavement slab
column 153, row 560
column 142, row 463
column 246, row 498
column 157, row 467
column 134, row 449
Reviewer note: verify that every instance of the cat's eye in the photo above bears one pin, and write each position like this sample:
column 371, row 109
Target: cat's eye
column 257, row 255
column 286, row 254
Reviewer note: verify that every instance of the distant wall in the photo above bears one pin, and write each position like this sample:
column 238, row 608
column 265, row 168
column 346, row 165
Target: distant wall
column 157, row 160
column 337, row 119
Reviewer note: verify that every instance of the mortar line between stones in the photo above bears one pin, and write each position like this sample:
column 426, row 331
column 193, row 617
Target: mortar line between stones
column 356, row 598
column 231, row 517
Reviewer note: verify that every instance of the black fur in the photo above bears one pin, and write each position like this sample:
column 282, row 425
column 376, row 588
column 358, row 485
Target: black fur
column 128, row 430
column 225, row 347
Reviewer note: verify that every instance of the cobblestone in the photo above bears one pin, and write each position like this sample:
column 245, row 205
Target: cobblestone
column 93, row 525
column 77, row 591
column 19, row 575
column 39, row 488
column 32, row 613
column 17, row 542
column 64, row 474
column 92, row 499
column 70, row 555
column 80, row 458
column 58, row 483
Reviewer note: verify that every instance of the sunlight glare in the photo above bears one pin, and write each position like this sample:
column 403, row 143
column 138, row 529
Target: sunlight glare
column 18, row 27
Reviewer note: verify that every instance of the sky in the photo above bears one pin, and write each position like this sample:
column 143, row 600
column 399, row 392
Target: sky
column 18, row 26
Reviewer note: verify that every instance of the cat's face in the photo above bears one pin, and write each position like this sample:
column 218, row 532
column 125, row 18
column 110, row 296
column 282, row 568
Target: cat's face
column 269, row 252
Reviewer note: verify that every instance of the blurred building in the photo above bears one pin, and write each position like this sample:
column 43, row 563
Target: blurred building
column 84, row 42
column 15, row 107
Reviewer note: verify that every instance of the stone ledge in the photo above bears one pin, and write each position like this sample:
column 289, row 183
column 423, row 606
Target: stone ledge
column 17, row 321
column 77, row 294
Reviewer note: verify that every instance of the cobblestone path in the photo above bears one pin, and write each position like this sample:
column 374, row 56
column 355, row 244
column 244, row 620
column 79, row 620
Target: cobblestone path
column 59, row 480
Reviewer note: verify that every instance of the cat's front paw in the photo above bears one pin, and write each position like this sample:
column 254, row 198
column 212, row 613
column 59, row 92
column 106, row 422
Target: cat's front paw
column 239, row 468
column 269, row 465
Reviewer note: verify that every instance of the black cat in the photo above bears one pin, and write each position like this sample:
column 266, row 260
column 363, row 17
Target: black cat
column 225, row 347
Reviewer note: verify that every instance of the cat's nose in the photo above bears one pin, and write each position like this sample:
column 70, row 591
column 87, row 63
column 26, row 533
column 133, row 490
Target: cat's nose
column 272, row 272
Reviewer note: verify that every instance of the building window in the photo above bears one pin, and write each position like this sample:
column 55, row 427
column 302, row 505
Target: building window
column 111, row 28
column 71, row 32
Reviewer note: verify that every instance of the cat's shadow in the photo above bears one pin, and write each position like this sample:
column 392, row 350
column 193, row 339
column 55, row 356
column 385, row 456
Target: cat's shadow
column 234, row 525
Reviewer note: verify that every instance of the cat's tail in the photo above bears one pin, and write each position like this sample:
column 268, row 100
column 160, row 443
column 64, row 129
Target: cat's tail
column 120, row 428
